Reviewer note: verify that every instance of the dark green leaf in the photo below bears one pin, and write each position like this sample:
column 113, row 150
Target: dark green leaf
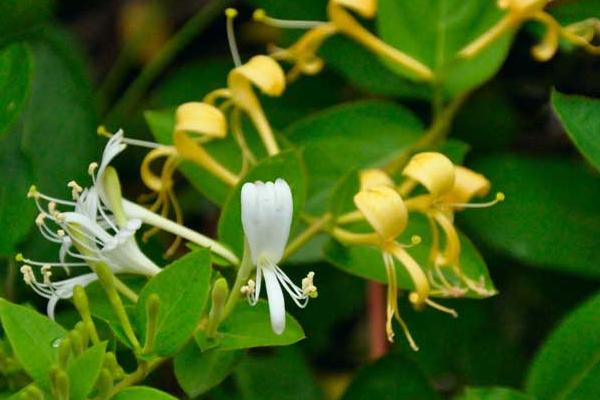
column 568, row 12
column 287, row 165
column 248, row 327
column 183, row 288
column 197, row 372
column 543, row 197
column 391, row 377
column 295, row 381
column 18, row 17
column 142, row 392
column 350, row 136
column 434, row 31
column 34, row 339
column 365, row 70
column 581, row 117
column 15, row 81
column 568, row 364
column 492, row 393
column 367, row 262
column 84, row 370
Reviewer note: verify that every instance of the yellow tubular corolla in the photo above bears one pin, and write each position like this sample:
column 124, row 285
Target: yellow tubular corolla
column 190, row 150
column 266, row 74
column 346, row 24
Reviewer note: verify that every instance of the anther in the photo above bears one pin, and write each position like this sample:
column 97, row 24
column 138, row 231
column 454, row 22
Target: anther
column 39, row 220
column 92, row 168
column 308, row 288
column 33, row 193
column 75, row 189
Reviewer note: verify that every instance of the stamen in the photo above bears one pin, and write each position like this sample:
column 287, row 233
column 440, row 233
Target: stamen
column 441, row 308
column 47, row 273
column 308, row 288
column 143, row 143
column 415, row 240
column 260, row 15
column 92, row 168
column 231, row 13
column 500, row 197
column 76, row 190
column 28, row 276
column 39, row 220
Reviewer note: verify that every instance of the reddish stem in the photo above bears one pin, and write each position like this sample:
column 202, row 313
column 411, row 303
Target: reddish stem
column 378, row 344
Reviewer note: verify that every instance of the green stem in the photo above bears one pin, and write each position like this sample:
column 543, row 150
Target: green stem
column 139, row 374
column 434, row 135
column 313, row 228
column 240, row 280
column 151, row 71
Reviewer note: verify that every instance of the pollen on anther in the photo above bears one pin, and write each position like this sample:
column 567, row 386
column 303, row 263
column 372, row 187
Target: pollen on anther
column 39, row 220
column 92, row 168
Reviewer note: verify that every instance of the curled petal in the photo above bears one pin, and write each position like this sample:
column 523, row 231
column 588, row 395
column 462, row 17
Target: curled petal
column 432, row 170
column 467, row 184
column 263, row 72
column 201, row 118
column 384, row 209
column 544, row 50
column 374, row 177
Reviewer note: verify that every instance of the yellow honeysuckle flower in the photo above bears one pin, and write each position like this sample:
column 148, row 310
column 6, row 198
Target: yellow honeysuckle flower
column 519, row 11
column 303, row 54
column 450, row 189
column 266, row 74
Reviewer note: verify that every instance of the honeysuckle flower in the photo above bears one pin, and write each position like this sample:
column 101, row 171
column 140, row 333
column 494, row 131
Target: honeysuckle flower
column 303, row 54
column 260, row 71
column 450, row 188
column 90, row 229
column 266, row 219
column 384, row 210
column 519, row 11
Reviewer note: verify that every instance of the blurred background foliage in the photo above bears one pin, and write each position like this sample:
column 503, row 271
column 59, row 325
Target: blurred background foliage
column 542, row 245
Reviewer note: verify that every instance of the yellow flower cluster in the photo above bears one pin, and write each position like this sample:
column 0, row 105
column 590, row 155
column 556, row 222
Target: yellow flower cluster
column 442, row 189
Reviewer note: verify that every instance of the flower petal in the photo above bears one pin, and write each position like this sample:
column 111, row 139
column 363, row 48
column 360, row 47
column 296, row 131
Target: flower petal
column 276, row 301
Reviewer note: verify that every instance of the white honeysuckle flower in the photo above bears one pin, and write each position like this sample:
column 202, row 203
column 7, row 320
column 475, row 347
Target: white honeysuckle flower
column 267, row 209
column 88, row 232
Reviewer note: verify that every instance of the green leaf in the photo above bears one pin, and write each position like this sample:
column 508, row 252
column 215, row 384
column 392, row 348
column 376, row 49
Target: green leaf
column 33, row 338
column 569, row 12
column 434, row 31
column 391, row 377
column 366, row 71
column 492, row 393
column 367, row 262
column 142, row 392
column 568, row 364
column 15, row 81
column 250, row 326
column 543, row 196
column 256, row 377
column 16, row 212
column 183, row 288
column 287, row 165
column 18, row 17
column 197, row 372
column 84, row 371
column 581, row 117
column 350, row 136
column 57, row 118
